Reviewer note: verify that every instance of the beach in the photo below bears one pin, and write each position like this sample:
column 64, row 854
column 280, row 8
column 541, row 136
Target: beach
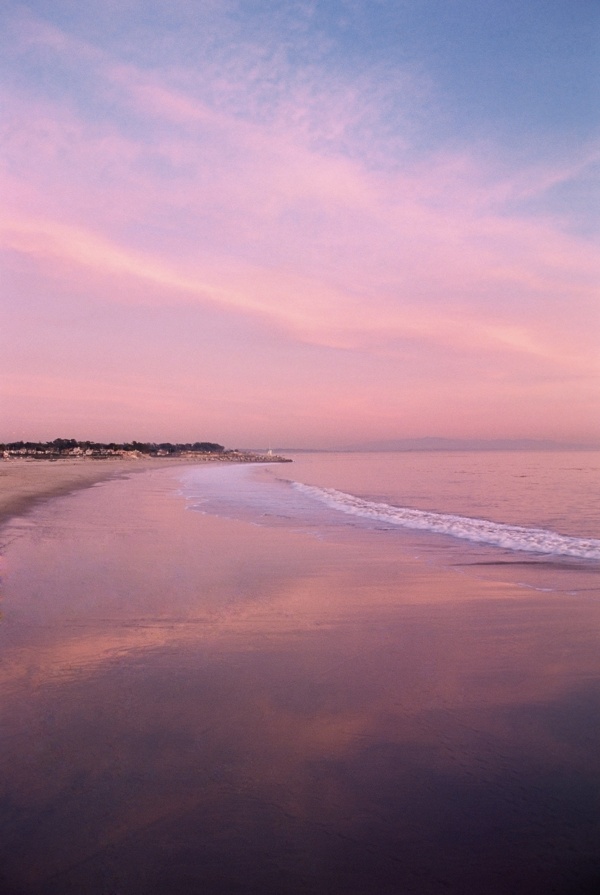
column 196, row 703
column 23, row 483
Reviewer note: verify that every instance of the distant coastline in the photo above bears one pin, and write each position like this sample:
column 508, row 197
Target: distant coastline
column 71, row 449
column 448, row 444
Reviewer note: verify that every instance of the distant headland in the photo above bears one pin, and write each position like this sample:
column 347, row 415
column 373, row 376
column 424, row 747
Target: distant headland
column 70, row 448
column 468, row 444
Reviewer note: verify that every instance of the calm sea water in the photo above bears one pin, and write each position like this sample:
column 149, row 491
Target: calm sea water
column 452, row 507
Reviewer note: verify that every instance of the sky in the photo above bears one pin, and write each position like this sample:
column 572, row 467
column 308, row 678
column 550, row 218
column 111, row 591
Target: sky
column 307, row 223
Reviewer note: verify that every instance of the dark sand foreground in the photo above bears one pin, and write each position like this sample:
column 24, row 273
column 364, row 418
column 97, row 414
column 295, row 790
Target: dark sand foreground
column 196, row 705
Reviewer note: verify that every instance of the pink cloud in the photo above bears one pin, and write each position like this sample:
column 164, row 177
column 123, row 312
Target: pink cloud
column 395, row 273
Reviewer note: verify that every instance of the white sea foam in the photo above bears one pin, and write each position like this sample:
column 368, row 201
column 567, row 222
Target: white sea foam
column 482, row 531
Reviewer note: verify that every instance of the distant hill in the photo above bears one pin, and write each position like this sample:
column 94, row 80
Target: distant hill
column 467, row 444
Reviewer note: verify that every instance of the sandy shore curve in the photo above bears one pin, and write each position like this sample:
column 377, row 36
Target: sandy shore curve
column 24, row 483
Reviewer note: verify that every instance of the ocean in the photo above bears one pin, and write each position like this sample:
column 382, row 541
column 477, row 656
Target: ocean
column 451, row 508
column 365, row 674
column 556, row 491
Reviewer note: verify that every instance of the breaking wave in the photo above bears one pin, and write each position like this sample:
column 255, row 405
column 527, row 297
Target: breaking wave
column 482, row 531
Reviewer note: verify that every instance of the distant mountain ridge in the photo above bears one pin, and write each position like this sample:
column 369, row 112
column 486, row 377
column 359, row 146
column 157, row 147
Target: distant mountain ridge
column 433, row 443
column 467, row 444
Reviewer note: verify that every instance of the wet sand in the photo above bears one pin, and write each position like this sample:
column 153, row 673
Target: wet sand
column 24, row 483
column 194, row 705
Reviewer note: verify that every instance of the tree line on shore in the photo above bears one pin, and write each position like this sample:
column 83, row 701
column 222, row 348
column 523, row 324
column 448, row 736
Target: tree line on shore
column 66, row 446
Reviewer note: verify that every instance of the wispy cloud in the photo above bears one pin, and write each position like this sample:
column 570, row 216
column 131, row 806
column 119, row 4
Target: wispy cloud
column 278, row 194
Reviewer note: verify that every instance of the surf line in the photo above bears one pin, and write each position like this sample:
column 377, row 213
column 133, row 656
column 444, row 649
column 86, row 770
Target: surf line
column 482, row 531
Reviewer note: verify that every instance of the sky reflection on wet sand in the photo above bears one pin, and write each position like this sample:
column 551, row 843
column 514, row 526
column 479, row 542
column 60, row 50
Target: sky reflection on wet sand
column 197, row 705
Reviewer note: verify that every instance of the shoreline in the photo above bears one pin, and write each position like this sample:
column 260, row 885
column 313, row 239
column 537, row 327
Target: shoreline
column 24, row 483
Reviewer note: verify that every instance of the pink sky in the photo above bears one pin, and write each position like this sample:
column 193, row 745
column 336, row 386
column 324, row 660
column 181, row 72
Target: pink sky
column 185, row 259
